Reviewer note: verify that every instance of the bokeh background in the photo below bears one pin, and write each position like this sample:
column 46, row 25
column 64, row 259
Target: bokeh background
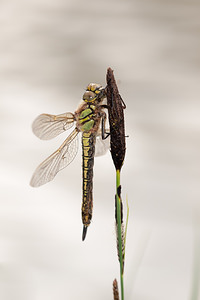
column 49, row 52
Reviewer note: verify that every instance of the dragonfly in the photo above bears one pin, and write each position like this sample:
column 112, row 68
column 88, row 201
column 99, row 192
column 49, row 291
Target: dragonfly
column 89, row 119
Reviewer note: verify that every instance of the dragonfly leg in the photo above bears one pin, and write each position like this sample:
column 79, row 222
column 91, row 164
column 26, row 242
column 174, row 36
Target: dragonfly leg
column 103, row 130
column 123, row 103
column 104, row 106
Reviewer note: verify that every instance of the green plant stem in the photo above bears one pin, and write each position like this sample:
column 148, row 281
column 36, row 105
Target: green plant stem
column 119, row 233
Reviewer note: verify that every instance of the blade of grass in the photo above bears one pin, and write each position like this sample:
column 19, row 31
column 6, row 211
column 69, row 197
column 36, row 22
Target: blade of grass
column 127, row 216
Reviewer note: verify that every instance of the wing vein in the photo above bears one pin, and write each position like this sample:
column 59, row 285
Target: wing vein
column 61, row 158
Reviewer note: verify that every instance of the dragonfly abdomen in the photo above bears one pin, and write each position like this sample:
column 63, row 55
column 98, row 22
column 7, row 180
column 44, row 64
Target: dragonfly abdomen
column 88, row 147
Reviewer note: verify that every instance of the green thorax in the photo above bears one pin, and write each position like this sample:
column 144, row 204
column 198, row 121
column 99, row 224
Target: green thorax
column 86, row 118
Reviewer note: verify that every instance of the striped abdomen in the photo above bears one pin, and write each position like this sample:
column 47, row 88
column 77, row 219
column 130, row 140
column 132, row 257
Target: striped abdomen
column 88, row 147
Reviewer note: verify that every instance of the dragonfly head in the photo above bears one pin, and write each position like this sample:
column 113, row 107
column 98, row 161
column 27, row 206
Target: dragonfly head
column 95, row 93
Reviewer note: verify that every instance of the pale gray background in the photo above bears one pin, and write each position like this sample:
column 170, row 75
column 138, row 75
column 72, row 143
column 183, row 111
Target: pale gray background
column 49, row 52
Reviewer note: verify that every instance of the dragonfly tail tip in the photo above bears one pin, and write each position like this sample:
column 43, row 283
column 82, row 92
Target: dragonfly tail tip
column 84, row 232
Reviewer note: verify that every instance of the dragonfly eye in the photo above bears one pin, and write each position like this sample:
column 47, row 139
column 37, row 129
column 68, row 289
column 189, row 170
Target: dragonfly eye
column 89, row 96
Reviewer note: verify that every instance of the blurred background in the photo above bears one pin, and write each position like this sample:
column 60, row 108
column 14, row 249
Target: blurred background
column 49, row 52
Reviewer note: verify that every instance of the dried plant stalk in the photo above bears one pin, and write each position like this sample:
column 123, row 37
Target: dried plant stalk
column 116, row 121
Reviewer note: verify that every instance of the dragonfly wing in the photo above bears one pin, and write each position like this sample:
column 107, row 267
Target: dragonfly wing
column 48, row 126
column 62, row 157
column 101, row 146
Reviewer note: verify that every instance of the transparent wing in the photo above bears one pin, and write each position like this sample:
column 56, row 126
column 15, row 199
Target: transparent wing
column 101, row 146
column 47, row 126
column 104, row 102
column 62, row 157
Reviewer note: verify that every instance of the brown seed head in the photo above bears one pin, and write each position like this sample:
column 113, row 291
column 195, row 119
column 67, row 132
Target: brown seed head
column 116, row 120
column 115, row 290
